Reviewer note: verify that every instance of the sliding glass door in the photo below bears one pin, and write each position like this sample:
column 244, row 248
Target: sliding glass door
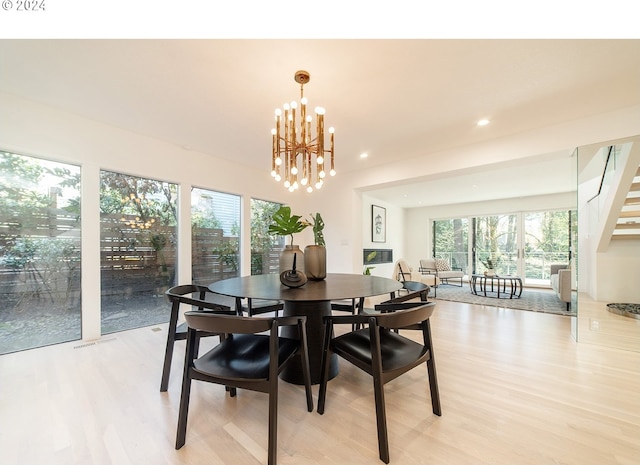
column 521, row 244
column 546, row 241
column 451, row 242
column 495, row 244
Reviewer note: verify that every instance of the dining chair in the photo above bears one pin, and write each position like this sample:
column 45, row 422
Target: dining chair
column 178, row 295
column 417, row 294
column 257, row 306
column 383, row 354
column 249, row 356
column 353, row 306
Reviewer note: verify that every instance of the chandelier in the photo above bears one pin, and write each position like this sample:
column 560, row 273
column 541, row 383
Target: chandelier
column 300, row 156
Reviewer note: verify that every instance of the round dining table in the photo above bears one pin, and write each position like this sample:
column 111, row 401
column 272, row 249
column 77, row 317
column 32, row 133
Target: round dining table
column 312, row 300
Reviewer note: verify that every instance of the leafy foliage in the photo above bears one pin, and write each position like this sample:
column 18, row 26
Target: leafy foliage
column 317, row 223
column 283, row 223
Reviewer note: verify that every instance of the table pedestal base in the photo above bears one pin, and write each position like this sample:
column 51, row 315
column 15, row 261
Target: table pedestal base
column 314, row 311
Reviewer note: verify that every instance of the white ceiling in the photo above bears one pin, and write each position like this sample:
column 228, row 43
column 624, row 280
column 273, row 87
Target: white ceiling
column 394, row 99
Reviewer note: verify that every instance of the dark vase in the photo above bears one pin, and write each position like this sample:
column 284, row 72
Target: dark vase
column 315, row 262
column 286, row 258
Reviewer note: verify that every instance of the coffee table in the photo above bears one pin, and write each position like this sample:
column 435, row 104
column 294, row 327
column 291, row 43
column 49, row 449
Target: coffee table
column 496, row 286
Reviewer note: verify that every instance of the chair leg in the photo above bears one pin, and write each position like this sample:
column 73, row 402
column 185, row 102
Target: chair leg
column 166, row 369
column 168, row 353
column 273, row 426
column 431, row 370
column 324, row 376
column 433, row 387
column 306, row 371
column 381, row 420
column 184, row 412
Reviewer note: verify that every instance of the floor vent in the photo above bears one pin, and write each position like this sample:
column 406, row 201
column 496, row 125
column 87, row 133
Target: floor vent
column 93, row 343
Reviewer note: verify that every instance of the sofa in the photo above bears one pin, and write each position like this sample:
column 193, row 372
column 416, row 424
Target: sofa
column 561, row 282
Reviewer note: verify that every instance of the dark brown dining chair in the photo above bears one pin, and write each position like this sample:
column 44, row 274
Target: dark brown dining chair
column 383, row 354
column 417, row 294
column 178, row 295
column 257, row 306
column 244, row 359
column 352, row 306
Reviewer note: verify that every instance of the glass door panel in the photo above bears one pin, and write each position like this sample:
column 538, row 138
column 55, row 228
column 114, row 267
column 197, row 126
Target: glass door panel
column 496, row 244
column 451, row 242
column 546, row 241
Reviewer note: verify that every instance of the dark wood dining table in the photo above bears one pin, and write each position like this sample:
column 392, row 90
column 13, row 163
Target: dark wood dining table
column 312, row 300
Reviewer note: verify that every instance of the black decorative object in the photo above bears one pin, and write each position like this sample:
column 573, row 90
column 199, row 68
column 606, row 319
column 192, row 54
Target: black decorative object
column 625, row 309
column 293, row 277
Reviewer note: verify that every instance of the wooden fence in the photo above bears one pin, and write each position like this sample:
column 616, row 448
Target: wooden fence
column 132, row 260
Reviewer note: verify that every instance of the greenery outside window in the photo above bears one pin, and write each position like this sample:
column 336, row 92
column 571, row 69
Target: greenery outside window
column 215, row 230
column 39, row 252
column 137, row 250
column 265, row 247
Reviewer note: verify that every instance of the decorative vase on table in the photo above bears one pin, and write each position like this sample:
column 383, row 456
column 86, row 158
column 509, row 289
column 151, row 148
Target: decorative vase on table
column 286, row 258
column 315, row 262
column 490, row 272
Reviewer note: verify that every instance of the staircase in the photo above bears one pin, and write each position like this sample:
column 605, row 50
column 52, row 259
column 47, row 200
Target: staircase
column 628, row 224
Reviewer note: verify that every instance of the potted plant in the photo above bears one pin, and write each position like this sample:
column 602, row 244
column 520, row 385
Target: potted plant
column 283, row 223
column 315, row 256
column 490, row 264
column 368, row 268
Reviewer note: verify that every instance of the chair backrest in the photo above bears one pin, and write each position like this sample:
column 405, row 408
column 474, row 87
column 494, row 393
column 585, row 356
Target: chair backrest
column 405, row 318
column 415, row 290
column 415, row 286
column 227, row 324
column 182, row 295
column 428, row 263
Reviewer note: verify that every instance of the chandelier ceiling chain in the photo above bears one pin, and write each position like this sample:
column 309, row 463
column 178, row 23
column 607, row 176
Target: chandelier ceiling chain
column 294, row 150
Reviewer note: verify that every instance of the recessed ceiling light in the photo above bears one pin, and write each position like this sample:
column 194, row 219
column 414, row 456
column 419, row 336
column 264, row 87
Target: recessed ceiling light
column 483, row 122
column 364, row 155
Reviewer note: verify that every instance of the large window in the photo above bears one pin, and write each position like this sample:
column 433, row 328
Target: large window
column 215, row 230
column 265, row 248
column 495, row 238
column 39, row 252
column 523, row 244
column 138, row 250
column 451, row 242
column 547, row 240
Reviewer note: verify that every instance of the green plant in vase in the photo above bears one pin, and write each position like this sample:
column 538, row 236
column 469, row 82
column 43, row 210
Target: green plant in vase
column 315, row 256
column 490, row 263
column 283, row 223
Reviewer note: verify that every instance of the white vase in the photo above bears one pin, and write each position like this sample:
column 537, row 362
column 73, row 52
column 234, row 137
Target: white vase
column 286, row 258
column 490, row 273
column 315, row 262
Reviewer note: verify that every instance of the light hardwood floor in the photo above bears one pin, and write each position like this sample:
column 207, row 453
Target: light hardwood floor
column 515, row 389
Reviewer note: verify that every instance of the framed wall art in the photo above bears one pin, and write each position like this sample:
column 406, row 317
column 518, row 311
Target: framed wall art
column 378, row 224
